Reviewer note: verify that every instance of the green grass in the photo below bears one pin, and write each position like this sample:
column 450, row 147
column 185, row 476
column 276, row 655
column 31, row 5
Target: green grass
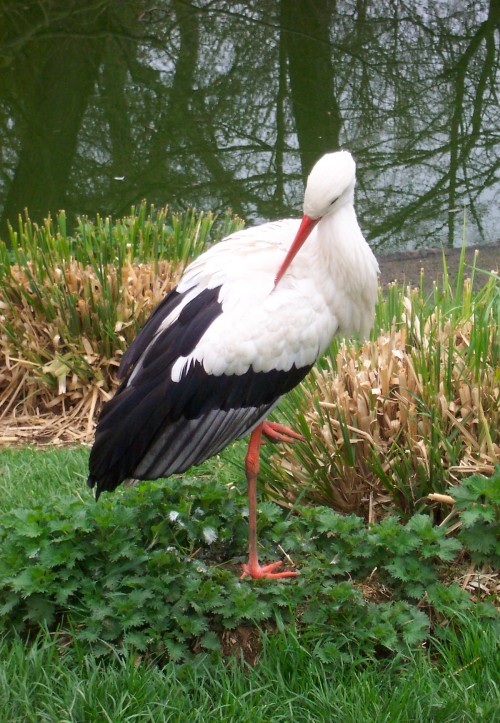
column 456, row 681
column 31, row 475
column 28, row 476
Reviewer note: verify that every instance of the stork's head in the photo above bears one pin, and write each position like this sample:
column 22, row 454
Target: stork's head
column 330, row 185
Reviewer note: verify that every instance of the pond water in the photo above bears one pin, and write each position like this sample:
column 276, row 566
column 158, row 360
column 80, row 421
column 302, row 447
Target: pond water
column 218, row 104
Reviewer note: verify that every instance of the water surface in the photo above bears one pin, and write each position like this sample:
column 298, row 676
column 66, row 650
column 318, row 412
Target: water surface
column 219, row 104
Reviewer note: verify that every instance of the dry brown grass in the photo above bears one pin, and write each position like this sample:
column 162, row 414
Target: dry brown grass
column 52, row 387
column 398, row 417
column 70, row 304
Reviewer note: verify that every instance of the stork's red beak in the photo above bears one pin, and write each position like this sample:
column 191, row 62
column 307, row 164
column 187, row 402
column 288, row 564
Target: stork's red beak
column 305, row 229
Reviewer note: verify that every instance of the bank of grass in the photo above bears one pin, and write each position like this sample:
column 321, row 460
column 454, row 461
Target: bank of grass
column 453, row 681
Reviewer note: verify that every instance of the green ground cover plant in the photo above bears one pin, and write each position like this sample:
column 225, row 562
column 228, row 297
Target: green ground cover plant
column 155, row 567
column 477, row 502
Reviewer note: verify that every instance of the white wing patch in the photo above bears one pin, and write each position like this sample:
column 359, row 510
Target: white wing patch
column 268, row 328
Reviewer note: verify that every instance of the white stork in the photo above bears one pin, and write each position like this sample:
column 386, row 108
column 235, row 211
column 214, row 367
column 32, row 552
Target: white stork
column 245, row 324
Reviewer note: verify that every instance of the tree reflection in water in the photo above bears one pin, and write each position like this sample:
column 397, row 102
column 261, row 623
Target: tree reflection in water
column 217, row 104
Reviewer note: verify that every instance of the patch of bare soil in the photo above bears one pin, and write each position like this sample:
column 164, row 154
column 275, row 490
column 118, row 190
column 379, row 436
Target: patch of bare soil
column 405, row 266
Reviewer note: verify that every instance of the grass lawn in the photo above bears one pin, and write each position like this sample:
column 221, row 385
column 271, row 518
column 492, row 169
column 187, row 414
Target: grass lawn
column 58, row 678
column 458, row 682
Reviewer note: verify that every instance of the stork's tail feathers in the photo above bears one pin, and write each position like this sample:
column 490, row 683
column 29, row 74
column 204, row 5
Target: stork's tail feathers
column 100, row 486
column 92, row 482
column 109, row 487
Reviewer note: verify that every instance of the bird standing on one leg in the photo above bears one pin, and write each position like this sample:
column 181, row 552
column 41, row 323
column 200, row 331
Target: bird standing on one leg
column 244, row 326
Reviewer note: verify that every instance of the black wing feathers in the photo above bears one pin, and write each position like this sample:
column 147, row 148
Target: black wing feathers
column 153, row 426
column 146, row 334
column 182, row 337
column 130, row 421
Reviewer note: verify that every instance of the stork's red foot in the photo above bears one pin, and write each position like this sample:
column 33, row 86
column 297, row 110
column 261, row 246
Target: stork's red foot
column 255, row 571
column 279, row 433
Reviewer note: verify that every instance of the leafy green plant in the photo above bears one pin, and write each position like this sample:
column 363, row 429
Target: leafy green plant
column 406, row 552
column 155, row 568
column 477, row 500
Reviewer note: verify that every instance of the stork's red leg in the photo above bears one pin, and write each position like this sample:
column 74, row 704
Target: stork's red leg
column 252, row 568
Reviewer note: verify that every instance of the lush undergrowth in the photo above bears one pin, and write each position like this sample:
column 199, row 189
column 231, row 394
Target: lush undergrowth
column 156, row 568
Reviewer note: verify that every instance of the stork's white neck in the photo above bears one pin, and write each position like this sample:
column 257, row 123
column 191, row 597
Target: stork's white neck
column 337, row 233
column 349, row 269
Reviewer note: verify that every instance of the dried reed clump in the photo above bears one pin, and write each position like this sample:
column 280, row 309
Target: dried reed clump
column 70, row 304
column 61, row 339
column 394, row 419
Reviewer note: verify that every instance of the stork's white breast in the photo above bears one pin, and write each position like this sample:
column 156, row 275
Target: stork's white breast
column 260, row 326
